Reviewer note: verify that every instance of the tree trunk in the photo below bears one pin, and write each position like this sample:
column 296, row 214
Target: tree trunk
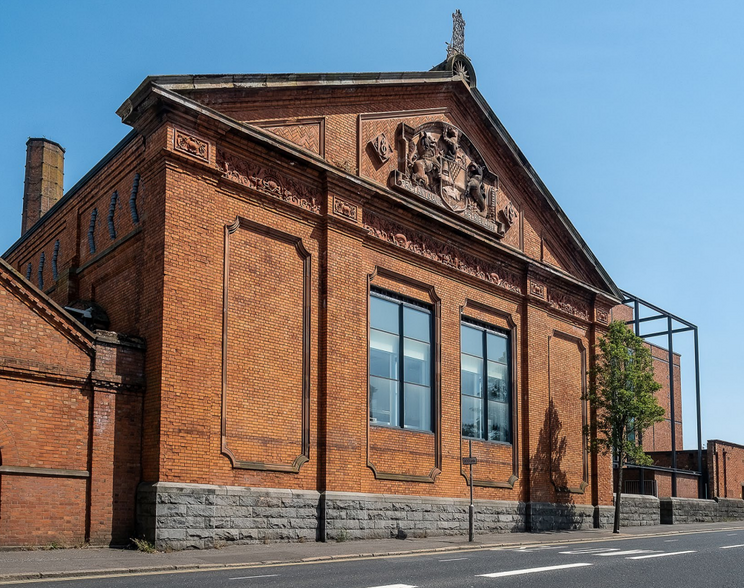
column 618, row 493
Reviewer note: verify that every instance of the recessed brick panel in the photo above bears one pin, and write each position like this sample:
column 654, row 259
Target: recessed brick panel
column 264, row 342
column 565, row 413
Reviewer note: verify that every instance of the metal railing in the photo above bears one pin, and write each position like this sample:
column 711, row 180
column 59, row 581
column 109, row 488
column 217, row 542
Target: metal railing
column 650, row 488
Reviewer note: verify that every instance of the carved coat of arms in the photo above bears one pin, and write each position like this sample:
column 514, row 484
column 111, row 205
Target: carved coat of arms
column 441, row 165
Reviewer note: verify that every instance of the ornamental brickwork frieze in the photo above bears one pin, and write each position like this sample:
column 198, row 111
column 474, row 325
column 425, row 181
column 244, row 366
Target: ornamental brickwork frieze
column 442, row 253
column 442, row 166
column 568, row 304
column 268, row 181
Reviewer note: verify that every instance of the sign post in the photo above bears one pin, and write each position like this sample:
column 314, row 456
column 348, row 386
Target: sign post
column 470, row 461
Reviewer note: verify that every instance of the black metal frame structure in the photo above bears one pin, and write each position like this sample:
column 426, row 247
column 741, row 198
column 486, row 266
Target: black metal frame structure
column 670, row 331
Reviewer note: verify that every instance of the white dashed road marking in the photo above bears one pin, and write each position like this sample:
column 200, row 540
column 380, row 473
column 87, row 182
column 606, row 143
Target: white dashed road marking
column 590, row 550
column 533, row 570
column 661, row 554
column 251, row 577
column 629, row 552
column 394, row 586
column 455, row 559
column 670, row 540
column 731, row 546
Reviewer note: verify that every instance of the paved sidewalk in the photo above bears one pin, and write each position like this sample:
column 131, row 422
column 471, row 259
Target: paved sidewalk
column 56, row 563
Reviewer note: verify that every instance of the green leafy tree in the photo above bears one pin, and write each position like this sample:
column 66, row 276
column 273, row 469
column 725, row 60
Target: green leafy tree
column 622, row 393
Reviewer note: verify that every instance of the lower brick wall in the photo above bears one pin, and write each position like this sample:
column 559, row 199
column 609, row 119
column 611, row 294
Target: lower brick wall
column 42, row 511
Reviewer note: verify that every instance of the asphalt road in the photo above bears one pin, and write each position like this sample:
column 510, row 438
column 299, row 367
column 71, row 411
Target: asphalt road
column 714, row 559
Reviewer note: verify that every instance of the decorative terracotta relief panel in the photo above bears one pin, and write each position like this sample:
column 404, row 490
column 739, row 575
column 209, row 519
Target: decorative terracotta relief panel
column 382, row 147
column 510, row 214
column 345, row 209
column 441, row 165
column 537, row 288
column 191, row 145
column 377, row 147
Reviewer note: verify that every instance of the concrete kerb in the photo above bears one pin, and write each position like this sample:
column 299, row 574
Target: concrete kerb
column 184, row 568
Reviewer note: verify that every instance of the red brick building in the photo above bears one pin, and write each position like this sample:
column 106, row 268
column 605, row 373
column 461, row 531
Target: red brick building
column 70, row 423
column 726, row 469
column 343, row 281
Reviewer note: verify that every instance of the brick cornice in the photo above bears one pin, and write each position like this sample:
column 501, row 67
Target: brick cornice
column 49, row 375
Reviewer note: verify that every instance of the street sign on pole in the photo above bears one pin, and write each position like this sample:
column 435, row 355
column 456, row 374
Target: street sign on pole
column 469, row 460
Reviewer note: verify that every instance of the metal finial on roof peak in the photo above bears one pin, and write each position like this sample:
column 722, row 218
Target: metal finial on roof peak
column 457, row 46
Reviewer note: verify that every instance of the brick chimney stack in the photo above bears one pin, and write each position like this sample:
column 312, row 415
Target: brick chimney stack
column 45, row 163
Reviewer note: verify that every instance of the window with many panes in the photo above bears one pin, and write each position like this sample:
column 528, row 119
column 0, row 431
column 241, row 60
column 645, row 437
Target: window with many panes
column 485, row 383
column 400, row 366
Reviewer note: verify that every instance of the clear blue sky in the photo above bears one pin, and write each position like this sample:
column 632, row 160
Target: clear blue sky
column 631, row 112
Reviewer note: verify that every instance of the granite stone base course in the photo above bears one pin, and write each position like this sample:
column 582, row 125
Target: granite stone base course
column 638, row 510
column 546, row 516
column 182, row 516
column 351, row 515
column 692, row 510
column 730, row 509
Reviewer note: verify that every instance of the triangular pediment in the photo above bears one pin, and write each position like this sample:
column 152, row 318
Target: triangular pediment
column 426, row 135
column 32, row 324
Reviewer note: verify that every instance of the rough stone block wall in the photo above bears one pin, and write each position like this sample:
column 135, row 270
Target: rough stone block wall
column 604, row 517
column 730, row 509
column 372, row 516
column 553, row 517
column 688, row 510
column 637, row 510
column 183, row 516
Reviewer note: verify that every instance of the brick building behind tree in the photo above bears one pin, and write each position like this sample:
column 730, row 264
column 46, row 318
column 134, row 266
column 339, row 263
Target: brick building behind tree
column 334, row 285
